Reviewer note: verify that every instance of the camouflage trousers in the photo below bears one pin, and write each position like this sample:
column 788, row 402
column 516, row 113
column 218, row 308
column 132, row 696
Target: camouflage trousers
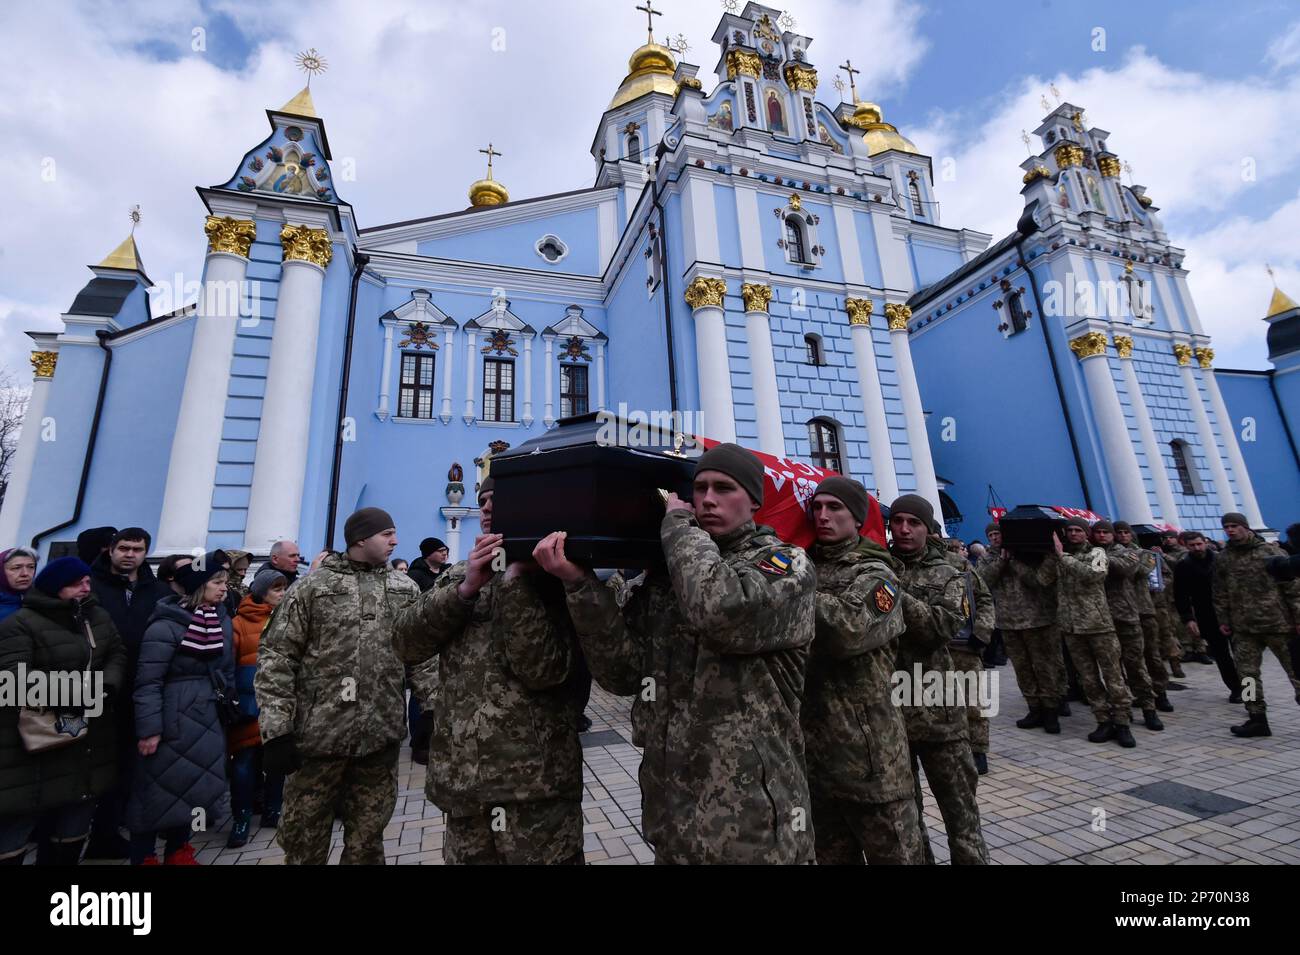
column 1132, row 650
column 885, row 833
column 1036, row 656
column 1190, row 643
column 1249, row 648
column 1097, row 658
column 977, row 725
column 1154, row 658
column 950, row 771
column 1170, row 627
column 545, row 832
column 362, row 788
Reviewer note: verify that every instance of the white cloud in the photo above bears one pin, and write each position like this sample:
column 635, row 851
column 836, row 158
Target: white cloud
column 1285, row 50
column 1188, row 138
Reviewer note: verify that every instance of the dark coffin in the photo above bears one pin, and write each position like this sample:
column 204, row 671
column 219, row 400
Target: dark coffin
column 1147, row 535
column 1027, row 531
column 583, row 478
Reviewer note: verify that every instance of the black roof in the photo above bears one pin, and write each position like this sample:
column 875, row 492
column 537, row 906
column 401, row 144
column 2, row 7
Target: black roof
column 102, row 297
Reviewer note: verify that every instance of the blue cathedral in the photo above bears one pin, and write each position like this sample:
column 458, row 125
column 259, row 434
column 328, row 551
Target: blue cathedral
column 773, row 269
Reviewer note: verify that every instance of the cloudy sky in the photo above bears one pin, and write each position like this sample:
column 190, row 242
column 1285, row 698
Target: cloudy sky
column 103, row 105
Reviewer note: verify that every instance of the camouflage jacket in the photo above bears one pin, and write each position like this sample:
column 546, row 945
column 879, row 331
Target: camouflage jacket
column 326, row 668
column 714, row 652
column 1080, row 575
column 505, row 714
column 1122, row 565
column 857, row 739
column 1246, row 597
column 1142, row 596
column 1020, row 600
column 935, row 607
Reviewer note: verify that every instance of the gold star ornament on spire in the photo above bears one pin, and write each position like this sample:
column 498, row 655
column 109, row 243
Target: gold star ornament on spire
column 135, row 218
column 311, row 63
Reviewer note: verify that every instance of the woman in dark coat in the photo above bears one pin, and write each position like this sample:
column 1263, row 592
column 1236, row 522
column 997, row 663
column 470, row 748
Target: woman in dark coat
column 57, row 789
column 186, row 651
column 19, row 568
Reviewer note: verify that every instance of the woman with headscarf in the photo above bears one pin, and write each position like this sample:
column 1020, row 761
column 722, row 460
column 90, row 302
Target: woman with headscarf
column 19, row 565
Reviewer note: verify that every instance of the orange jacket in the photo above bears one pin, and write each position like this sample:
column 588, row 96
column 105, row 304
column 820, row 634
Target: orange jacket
column 249, row 623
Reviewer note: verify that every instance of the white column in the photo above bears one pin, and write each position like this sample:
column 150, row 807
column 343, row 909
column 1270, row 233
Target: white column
column 275, row 503
column 385, row 376
column 1228, row 429
column 471, row 372
column 548, row 371
column 528, row 381
column 880, row 447
column 449, row 356
column 454, row 516
column 600, row 375
column 1120, row 458
column 917, row 438
column 1209, row 446
column 1150, row 446
column 767, row 403
column 192, row 466
column 717, row 412
column 20, row 474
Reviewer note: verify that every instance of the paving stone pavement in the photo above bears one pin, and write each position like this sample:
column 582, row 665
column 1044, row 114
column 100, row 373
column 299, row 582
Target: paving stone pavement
column 1045, row 800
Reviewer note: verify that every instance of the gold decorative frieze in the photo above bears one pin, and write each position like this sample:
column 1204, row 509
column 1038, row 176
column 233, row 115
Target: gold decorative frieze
column 689, row 82
column 1124, row 346
column 859, row 310
column 43, row 363
column 756, row 297
column 306, row 244
column 898, row 316
column 1089, row 345
column 1183, row 352
column 1204, row 356
column 800, row 76
column 705, row 292
column 1038, row 172
column 230, row 235
column 1067, row 155
column 1108, row 165
column 743, row 63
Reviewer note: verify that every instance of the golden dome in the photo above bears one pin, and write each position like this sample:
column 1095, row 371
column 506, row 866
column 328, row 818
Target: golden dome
column 488, row 192
column 876, row 133
column 649, row 70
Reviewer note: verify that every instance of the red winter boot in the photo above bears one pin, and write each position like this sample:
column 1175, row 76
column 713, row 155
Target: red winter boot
column 182, row 856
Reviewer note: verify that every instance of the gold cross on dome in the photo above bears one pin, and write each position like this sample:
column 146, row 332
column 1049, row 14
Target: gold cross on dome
column 650, row 12
column 847, row 67
column 490, row 153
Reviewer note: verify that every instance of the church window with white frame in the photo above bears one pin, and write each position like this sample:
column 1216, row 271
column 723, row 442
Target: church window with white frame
column 552, row 248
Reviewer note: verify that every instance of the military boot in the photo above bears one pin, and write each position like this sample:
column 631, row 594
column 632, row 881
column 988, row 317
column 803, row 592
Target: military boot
column 1255, row 726
column 1152, row 721
column 981, row 763
column 1176, row 669
column 1104, row 733
column 1051, row 724
column 239, row 829
column 1163, row 704
column 1031, row 720
column 1063, row 709
column 1124, row 736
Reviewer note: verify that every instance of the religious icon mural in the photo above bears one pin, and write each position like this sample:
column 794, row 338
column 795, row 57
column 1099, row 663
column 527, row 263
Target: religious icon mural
column 775, row 114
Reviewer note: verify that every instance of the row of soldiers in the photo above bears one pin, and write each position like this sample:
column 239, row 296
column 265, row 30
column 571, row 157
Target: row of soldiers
column 761, row 679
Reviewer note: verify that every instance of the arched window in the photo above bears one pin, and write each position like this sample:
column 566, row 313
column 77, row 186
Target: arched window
column 1182, row 453
column 634, row 147
column 813, row 350
column 794, row 239
column 914, row 192
column 824, row 445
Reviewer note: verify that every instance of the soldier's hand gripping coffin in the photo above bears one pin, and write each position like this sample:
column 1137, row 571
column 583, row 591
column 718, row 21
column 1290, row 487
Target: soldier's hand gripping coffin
column 599, row 478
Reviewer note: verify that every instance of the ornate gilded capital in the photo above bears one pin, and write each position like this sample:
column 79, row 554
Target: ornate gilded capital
column 230, row 235
column 859, row 310
column 1108, row 165
column 1038, row 172
column 43, row 363
column 1183, row 352
column 1068, row 154
column 800, row 76
column 1204, row 356
column 1088, row 346
column 743, row 63
column 1124, row 346
column 689, row 82
column 306, row 244
column 898, row 316
column 705, row 292
column 756, row 296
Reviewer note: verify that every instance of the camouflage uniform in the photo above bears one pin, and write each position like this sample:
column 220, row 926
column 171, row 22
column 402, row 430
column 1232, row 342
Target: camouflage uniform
column 505, row 765
column 1122, row 565
column 327, row 673
column 1261, row 611
column 1026, row 614
column 1167, row 613
column 1084, row 614
column 1188, row 643
column 1150, row 626
column 969, row 660
column 935, row 608
column 714, row 652
column 858, row 768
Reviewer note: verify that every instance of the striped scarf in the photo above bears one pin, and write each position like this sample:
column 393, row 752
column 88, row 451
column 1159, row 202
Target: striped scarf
column 204, row 637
